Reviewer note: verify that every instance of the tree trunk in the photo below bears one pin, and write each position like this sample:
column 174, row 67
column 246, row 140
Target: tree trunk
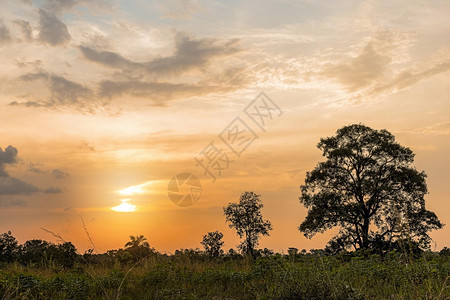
column 365, row 233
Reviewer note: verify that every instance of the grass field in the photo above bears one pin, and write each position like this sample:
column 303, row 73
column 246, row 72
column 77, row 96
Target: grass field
column 190, row 274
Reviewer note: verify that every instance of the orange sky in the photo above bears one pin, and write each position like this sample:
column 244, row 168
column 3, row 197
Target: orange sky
column 98, row 96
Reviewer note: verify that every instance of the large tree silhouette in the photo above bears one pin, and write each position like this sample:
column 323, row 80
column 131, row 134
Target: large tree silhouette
column 246, row 218
column 368, row 188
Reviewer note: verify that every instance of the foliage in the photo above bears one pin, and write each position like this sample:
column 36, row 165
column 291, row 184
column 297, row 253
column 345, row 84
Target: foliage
column 186, row 275
column 368, row 188
column 137, row 247
column 212, row 242
column 246, row 218
column 8, row 247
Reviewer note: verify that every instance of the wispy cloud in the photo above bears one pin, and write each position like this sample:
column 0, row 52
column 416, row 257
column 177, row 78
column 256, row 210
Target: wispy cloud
column 189, row 54
column 62, row 92
column 59, row 174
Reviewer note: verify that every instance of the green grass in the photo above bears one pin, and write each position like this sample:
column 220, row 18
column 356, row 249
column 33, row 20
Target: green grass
column 189, row 276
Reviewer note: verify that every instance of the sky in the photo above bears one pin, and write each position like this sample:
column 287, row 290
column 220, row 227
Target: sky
column 104, row 105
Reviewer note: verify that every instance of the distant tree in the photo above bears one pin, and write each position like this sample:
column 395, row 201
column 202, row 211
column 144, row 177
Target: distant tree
column 137, row 241
column 66, row 254
column 292, row 251
column 138, row 247
column 444, row 252
column 212, row 242
column 38, row 252
column 8, row 247
column 265, row 252
column 247, row 219
column 368, row 188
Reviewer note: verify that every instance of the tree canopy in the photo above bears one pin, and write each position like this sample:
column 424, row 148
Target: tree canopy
column 212, row 242
column 246, row 218
column 368, row 188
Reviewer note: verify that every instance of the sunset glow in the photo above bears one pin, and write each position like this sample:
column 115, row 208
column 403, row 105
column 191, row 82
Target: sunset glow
column 111, row 106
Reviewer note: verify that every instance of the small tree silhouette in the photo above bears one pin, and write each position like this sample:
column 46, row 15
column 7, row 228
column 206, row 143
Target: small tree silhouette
column 8, row 247
column 138, row 247
column 137, row 241
column 247, row 219
column 212, row 242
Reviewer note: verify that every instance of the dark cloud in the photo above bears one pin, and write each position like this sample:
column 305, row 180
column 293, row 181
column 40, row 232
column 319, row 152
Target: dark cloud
column 10, row 185
column 5, row 35
column 14, row 186
column 26, row 29
column 59, row 174
column 53, row 190
column 8, row 156
column 189, row 54
column 52, row 30
column 64, row 90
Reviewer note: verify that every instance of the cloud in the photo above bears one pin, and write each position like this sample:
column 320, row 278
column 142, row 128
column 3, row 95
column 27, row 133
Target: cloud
column 360, row 71
column 409, row 77
column 372, row 62
column 26, row 29
column 34, row 167
column 442, row 128
column 178, row 9
column 86, row 145
column 159, row 92
column 5, row 35
column 10, row 185
column 62, row 91
column 52, row 30
column 53, row 190
column 373, row 72
column 189, row 54
column 142, row 79
column 59, row 6
column 59, row 174
column 14, row 186
column 8, row 156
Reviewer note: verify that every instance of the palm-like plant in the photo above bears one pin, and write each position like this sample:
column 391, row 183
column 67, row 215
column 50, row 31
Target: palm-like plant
column 137, row 241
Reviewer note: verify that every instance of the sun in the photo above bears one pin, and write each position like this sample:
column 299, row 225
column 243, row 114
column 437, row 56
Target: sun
column 130, row 192
column 124, row 206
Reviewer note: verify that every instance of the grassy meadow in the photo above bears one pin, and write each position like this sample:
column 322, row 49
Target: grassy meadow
column 191, row 274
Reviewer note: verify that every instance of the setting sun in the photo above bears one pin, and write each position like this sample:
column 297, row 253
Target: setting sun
column 224, row 149
column 124, row 206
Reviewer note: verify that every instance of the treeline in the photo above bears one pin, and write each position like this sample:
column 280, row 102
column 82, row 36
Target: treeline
column 43, row 254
